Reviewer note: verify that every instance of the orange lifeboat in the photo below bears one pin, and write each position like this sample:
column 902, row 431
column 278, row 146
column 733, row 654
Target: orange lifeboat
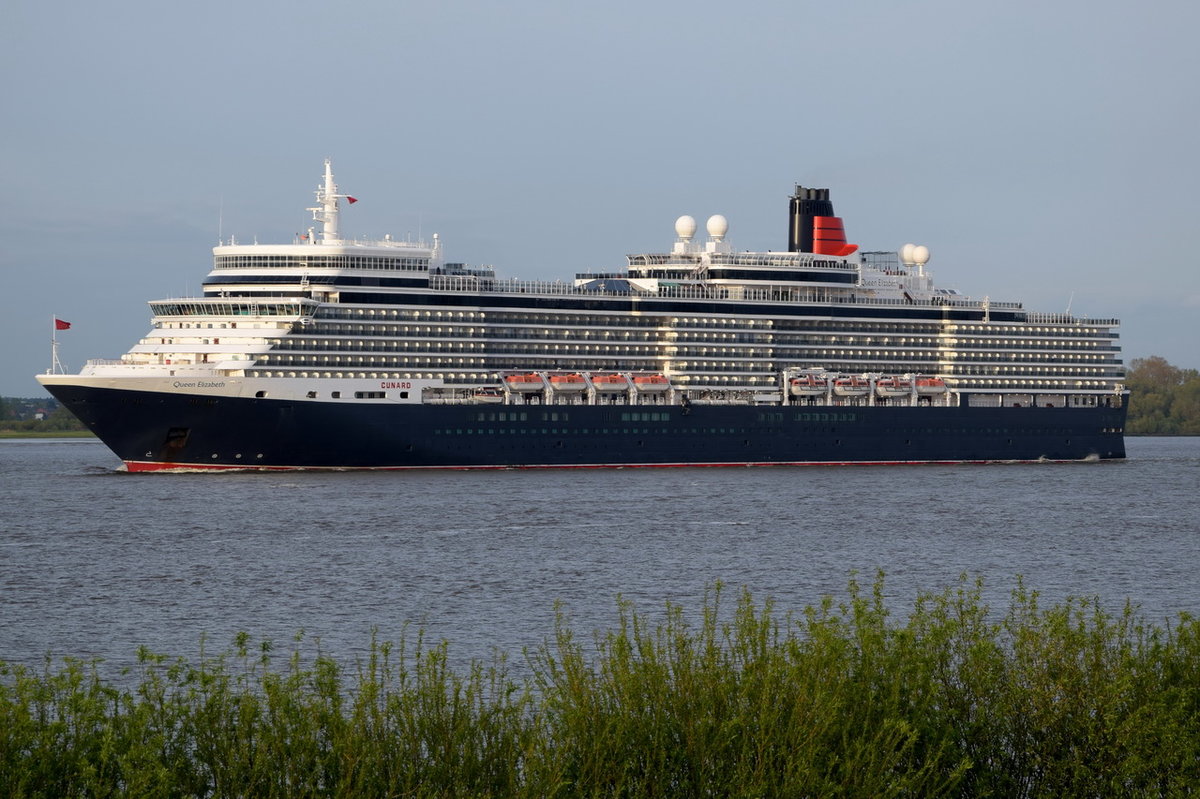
column 889, row 387
column 610, row 383
column 809, row 385
column 928, row 386
column 568, row 382
column 648, row 383
column 525, row 383
column 851, row 386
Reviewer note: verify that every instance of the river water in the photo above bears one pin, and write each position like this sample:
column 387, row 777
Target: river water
column 95, row 561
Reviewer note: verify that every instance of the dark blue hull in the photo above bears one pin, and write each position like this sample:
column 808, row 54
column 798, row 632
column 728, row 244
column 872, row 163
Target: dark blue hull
column 156, row 430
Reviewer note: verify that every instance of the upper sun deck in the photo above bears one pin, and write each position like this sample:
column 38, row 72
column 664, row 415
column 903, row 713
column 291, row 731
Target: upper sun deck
column 326, row 248
column 339, row 256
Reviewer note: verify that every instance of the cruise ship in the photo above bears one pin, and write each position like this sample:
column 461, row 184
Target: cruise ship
column 338, row 353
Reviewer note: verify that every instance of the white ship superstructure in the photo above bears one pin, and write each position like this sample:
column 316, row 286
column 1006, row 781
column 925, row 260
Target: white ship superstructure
column 716, row 323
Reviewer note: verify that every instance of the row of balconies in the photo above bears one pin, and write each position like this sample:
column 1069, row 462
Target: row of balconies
column 534, row 346
column 593, row 361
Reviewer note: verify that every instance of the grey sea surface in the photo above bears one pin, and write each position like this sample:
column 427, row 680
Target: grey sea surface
column 95, row 562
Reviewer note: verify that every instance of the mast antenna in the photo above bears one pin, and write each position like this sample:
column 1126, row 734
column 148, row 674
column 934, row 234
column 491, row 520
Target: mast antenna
column 326, row 212
column 56, row 367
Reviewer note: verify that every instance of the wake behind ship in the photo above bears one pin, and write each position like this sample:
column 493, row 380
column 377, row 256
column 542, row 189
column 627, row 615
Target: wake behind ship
column 343, row 353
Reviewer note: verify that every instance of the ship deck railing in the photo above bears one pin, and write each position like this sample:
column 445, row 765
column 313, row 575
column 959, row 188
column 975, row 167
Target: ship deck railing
column 1037, row 317
column 801, row 296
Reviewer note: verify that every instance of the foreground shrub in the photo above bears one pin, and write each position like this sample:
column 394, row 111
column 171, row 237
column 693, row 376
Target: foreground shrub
column 838, row 700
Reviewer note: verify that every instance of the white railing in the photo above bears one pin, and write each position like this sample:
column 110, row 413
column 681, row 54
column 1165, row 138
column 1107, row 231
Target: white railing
column 1064, row 318
column 732, row 293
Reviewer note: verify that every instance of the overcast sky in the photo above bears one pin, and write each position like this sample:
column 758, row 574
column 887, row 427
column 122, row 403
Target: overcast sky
column 1045, row 152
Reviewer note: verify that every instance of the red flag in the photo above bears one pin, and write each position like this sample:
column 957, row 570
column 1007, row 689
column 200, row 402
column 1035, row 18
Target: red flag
column 352, row 200
column 61, row 325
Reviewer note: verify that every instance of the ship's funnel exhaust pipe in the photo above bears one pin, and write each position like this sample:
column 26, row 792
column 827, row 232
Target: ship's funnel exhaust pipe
column 812, row 227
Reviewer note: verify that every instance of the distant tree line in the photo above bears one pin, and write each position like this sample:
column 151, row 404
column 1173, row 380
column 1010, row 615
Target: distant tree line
column 21, row 415
column 1164, row 400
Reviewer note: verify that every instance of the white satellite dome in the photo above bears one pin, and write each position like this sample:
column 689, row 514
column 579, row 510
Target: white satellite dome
column 685, row 227
column 920, row 255
column 906, row 253
column 717, row 226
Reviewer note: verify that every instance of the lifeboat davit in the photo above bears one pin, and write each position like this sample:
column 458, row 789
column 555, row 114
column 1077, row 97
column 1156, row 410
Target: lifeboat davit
column 649, row 383
column 851, row 386
column 525, row 383
column 928, row 386
column 568, row 382
column 608, row 384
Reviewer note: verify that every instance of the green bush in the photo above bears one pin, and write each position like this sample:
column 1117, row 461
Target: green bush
column 837, row 700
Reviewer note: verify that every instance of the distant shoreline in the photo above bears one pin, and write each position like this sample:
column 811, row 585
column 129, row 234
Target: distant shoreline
column 47, row 434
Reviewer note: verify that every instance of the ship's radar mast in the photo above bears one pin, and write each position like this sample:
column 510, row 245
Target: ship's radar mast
column 327, row 209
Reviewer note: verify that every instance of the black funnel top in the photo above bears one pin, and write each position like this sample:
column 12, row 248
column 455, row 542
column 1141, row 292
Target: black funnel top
column 806, row 203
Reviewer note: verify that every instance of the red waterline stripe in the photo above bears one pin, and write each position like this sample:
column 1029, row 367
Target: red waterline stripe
column 155, row 466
